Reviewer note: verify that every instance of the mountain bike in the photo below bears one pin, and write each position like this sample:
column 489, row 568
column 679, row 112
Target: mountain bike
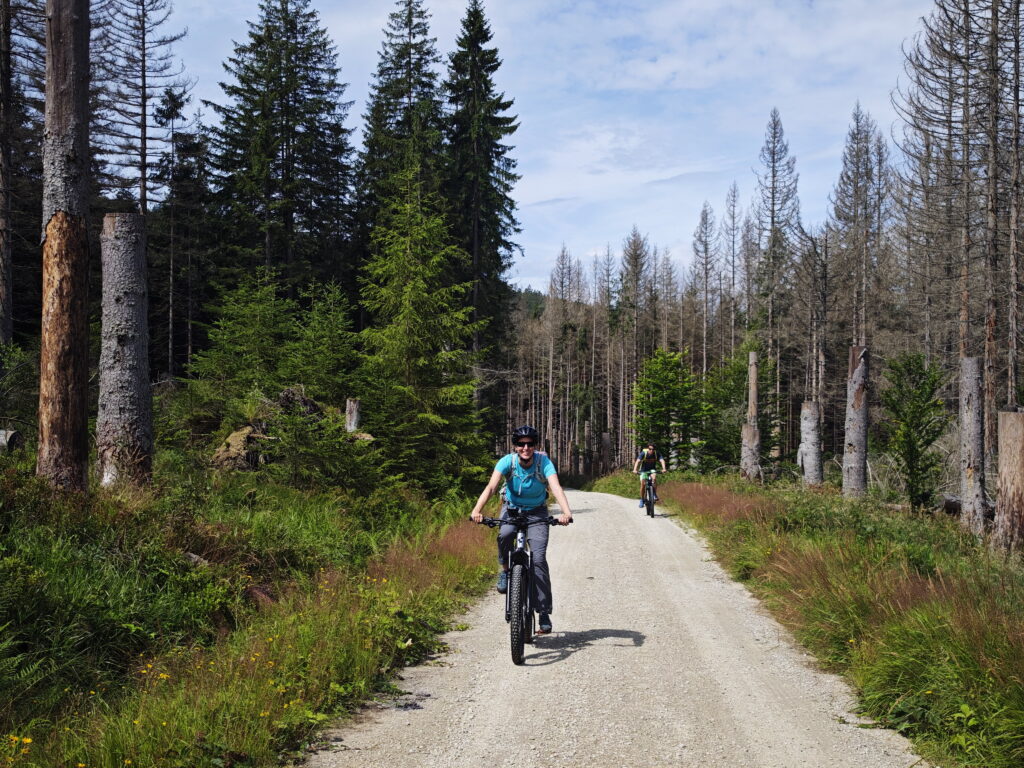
column 649, row 492
column 519, row 610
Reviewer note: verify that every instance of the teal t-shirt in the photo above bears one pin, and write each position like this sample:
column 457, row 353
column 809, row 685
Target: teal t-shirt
column 524, row 488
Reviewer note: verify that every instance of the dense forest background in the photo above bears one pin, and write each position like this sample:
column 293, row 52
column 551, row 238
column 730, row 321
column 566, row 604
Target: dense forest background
column 281, row 254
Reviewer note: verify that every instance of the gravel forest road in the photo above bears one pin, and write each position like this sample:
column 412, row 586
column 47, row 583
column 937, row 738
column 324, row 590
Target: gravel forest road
column 657, row 659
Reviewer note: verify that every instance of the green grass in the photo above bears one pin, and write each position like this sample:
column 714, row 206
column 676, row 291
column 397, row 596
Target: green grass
column 148, row 626
column 923, row 621
column 253, row 699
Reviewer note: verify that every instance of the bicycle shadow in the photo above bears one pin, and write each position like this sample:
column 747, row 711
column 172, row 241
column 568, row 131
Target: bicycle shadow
column 551, row 649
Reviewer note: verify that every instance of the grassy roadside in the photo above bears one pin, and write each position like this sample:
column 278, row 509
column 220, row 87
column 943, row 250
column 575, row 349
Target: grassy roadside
column 215, row 623
column 924, row 623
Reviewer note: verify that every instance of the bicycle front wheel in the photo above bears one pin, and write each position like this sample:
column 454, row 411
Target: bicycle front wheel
column 649, row 500
column 517, row 603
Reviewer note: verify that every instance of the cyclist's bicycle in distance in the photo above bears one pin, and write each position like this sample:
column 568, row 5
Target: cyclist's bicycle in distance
column 519, row 609
column 648, row 496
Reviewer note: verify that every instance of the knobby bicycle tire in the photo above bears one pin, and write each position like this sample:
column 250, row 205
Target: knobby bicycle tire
column 517, row 622
column 649, row 499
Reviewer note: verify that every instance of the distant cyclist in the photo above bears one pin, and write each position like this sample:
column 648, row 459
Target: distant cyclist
column 527, row 477
column 646, row 462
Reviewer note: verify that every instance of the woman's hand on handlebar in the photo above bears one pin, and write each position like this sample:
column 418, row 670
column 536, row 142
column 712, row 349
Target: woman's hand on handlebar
column 477, row 516
column 565, row 518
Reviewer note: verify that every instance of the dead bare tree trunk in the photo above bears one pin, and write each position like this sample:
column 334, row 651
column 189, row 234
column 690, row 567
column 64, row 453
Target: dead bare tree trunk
column 810, row 443
column 993, row 76
column 124, row 421
column 855, row 458
column 972, row 447
column 6, row 170
column 1014, row 214
column 1008, row 531
column 750, row 450
column 63, row 359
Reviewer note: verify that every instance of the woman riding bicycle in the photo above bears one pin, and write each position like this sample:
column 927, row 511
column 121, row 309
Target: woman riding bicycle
column 526, row 473
column 645, row 464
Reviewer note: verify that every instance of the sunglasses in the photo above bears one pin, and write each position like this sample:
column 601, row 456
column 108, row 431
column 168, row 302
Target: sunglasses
column 525, row 445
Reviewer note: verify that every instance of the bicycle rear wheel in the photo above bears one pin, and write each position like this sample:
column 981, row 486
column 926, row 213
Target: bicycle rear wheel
column 517, row 602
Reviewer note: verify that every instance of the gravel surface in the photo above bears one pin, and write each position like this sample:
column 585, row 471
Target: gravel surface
column 657, row 659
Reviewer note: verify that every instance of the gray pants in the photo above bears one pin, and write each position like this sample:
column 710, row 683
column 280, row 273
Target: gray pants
column 537, row 536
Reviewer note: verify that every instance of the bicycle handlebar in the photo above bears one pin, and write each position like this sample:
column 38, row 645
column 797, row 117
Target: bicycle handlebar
column 495, row 522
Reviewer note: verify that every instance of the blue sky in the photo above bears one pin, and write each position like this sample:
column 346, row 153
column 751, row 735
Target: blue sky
column 633, row 112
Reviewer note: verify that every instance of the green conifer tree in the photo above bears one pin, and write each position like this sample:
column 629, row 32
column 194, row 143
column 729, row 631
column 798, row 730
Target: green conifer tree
column 667, row 402
column 281, row 149
column 403, row 119
column 480, row 174
column 419, row 392
column 918, row 417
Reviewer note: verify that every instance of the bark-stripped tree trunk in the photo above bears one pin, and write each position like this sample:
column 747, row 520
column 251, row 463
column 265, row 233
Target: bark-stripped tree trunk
column 966, row 191
column 124, row 421
column 993, row 77
column 1008, row 531
column 1014, row 213
column 855, row 458
column 972, row 447
column 63, row 359
column 750, row 450
column 810, row 443
column 6, row 241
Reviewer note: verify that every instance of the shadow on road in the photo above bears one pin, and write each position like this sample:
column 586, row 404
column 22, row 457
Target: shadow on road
column 550, row 649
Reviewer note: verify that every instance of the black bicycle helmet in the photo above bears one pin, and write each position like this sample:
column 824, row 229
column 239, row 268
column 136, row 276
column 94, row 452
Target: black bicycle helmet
column 527, row 432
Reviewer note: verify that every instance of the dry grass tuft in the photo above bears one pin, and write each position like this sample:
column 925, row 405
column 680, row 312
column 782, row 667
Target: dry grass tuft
column 418, row 566
column 719, row 503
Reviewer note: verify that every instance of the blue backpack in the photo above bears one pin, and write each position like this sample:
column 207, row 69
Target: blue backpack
column 516, row 470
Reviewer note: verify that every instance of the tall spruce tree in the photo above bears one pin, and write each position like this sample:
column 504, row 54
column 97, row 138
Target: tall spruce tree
column 480, row 173
column 402, row 120
column 419, row 383
column 281, row 144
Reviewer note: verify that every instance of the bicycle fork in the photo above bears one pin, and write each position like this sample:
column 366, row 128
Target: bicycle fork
column 520, row 555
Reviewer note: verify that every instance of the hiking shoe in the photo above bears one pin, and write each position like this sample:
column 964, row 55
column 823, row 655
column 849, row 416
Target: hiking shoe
column 502, row 585
column 544, row 624
column 641, row 505
column 656, row 498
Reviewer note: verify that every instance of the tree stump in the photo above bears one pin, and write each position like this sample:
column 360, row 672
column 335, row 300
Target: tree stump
column 750, row 435
column 11, row 440
column 1008, row 529
column 124, row 421
column 855, row 457
column 810, row 444
column 972, row 448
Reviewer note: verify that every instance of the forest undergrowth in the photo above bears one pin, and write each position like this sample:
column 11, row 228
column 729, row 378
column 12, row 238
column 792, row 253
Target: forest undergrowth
column 922, row 620
column 214, row 620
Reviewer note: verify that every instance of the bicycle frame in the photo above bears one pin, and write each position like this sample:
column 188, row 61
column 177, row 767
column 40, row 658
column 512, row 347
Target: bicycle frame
column 649, row 484
column 519, row 609
column 521, row 555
